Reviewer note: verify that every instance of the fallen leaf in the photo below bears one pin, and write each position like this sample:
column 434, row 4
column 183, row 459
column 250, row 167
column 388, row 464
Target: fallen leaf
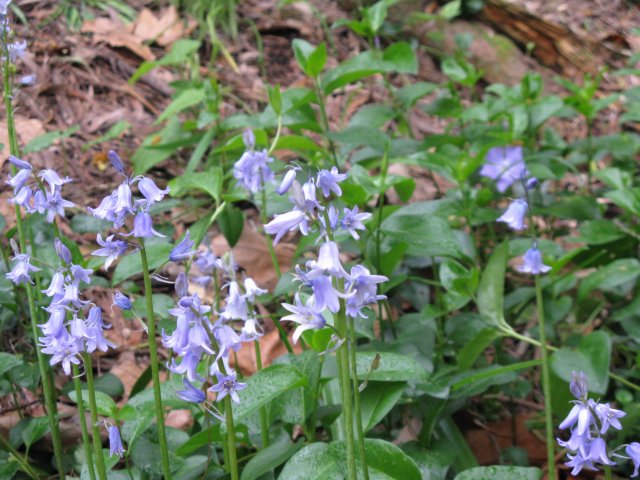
column 26, row 128
column 117, row 34
column 165, row 29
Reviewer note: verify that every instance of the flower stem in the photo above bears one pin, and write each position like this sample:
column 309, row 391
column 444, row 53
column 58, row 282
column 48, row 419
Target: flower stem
column 276, row 267
column 23, row 461
column 153, row 354
column 546, row 383
column 345, row 390
column 93, row 407
column 264, row 422
column 326, row 129
column 356, row 398
column 607, row 472
column 231, row 438
column 83, row 421
column 43, row 366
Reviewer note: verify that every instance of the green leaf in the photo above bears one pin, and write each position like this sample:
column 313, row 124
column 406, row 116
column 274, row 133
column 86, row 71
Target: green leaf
column 598, row 232
column 275, row 98
column 434, row 463
column 114, row 132
column 376, row 15
column 209, row 182
column 593, row 357
column 411, row 93
column 231, row 223
column 389, row 367
column 136, row 421
column 470, row 352
column 145, row 399
column 142, row 382
column 184, row 99
column 264, row 386
column 619, row 277
column 82, row 223
column 317, row 60
column 157, row 254
column 105, row 404
column 149, row 155
column 629, row 199
column 37, row 427
column 267, row 459
column 301, row 51
column 180, row 50
column 426, row 235
column 320, row 461
column 500, row 473
column 48, row 139
column 9, row 468
column 452, row 69
column 8, row 362
column 110, row 385
column 377, row 399
column 401, row 58
column 491, row 289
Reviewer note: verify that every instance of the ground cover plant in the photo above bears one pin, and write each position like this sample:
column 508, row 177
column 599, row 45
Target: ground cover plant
column 308, row 279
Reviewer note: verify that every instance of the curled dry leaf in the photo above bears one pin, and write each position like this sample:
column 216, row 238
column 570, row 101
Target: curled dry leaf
column 117, row 34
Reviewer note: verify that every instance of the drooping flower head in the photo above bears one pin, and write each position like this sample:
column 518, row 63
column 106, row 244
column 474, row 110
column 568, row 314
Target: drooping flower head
column 515, row 215
column 532, row 262
column 115, row 442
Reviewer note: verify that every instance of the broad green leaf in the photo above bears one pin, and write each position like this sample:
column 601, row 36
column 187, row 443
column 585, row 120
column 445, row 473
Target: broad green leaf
column 500, row 473
column 269, row 458
column 231, row 223
column 105, row 404
column 209, row 182
column 48, row 139
column 598, row 232
column 434, row 463
column 180, row 51
column 321, row 461
column 629, row 199
column 157, row 254
column 184, row 99
column 148, row 155
column 313, row 462
column 264, row 386
column 8, row 362
column 136, row 421
column 200, row 439
column 593, row 357
column 168, row 391
column 301, row 51
column 317, row 60
column 411, row 93
column 375, row 16
column 490, row 373
column 381, row 367
column 618, row 277
column 297, row 142
column 377, row 399
column 491, row 289
column 82, row 223
column 8, row 468
column 470, row 352
column 35, row 430
column 426, row 235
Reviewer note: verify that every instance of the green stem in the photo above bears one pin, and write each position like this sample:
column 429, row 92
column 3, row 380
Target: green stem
column 325, row 120
column 24, row 462
column 231, row 438
column 93, row 407
column 345, row 391
column 607, row 472
column 153, row 354
column 83, row 421
column 43, row 366
column 264, row 423
column 546, row 383
column 356, row 398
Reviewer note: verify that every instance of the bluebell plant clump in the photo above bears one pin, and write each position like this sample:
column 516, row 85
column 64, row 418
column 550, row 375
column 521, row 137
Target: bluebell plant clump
column 588, row 422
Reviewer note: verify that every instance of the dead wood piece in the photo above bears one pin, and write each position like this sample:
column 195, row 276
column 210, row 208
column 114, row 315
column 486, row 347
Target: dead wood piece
column 555, row 45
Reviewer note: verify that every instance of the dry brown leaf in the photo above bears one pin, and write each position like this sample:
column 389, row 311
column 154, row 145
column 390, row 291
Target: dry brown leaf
column 252, row 254
column 27, row 129
column 271, row 347
column 117, row 34
column 128, row 371
column 163, row 30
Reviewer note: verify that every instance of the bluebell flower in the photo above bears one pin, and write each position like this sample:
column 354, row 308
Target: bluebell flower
column 227, row 385
column 107, row 210
column 52, row 203
column 531, row 183
column 17, row 50
column 121, row 301
column 188, row 366
column 55, row 324
column 62, row 348
column 56, row 287
column 184, row 250
column 181, row 285
column 190, row 393
column 80, row 274
column 363, row 287
column 123, row 202
column 53, row 179
column 328, row 262
column 19, row 179
column 578, row 386
column 116, row 161
column 287, row 180
column 306, row 315
column 111, row 249
column 236, row 305
column 633, row 450
column 578, row 462
column 21, row 271
column 150, row 191
column 143, row 226
column 251, row 330
column 21, row 164
column 532, row 262
column 515, row 215
column 352, row 221
column 251, row 290
column 326, row 296
column 62, row 251
column 4, row 5
column 23, row 198
column 28, row 80
column 115, row 442
column 287, row 222
column 328, row 181
column 248, row 138
column 227, row 338
column 608, row 416
column 253, row 171
column 506, row 165
column 598, row 452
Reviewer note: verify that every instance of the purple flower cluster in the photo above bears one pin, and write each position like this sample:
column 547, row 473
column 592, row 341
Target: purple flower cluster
column 121, row 205
column 40, row 194
column 329, row 282
column 506, row 165
column 197, row 336
column 252, row 170
column 74, row 325
column 588, row 421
